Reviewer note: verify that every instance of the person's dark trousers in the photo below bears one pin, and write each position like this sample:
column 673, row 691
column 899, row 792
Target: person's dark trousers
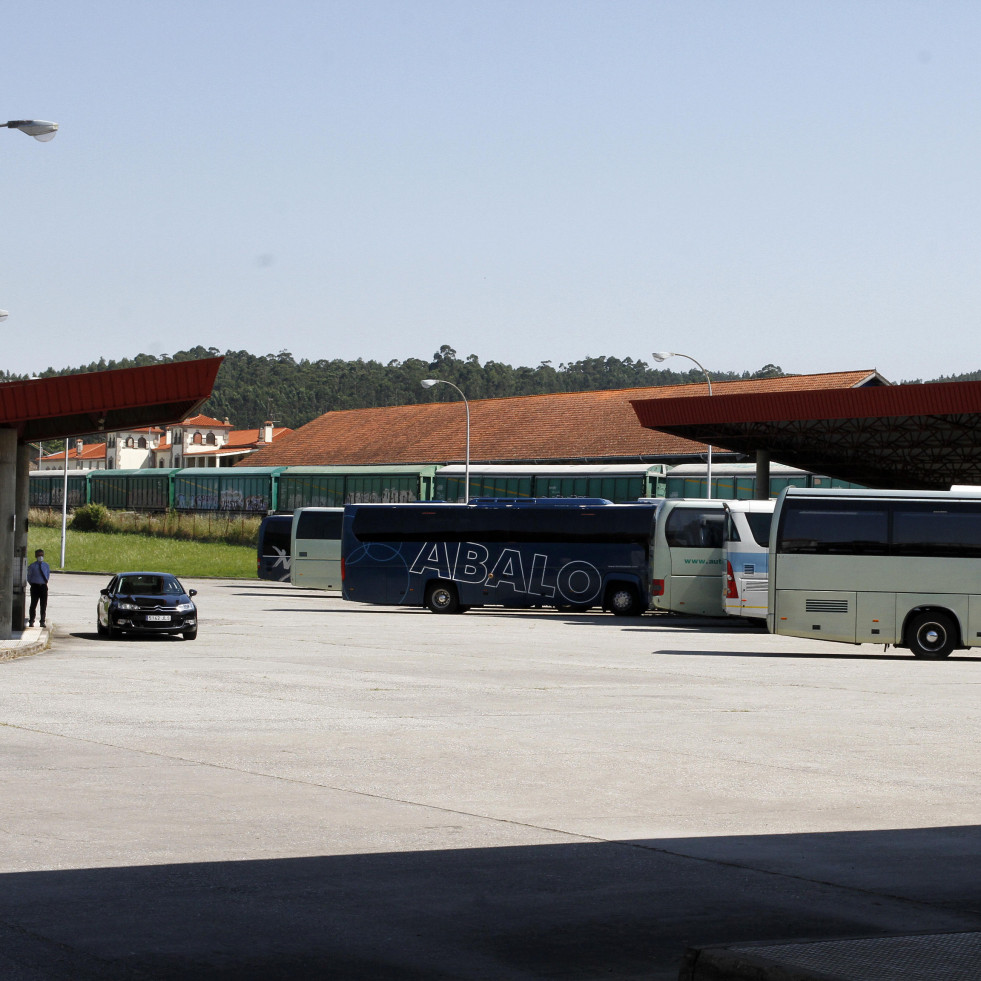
column 39, row 594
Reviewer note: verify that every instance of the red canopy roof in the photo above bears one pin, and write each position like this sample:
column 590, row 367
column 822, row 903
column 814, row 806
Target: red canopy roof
column 105, row 401
column 899, row 436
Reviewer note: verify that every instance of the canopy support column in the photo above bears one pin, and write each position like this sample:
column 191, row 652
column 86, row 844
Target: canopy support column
column 762, row 475
column 8, row 519
column 19, row 605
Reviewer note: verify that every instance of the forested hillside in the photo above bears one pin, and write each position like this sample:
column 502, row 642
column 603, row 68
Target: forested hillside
column 252, row 388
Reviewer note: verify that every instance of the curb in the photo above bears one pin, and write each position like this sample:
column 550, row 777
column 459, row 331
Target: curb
column 12, row 649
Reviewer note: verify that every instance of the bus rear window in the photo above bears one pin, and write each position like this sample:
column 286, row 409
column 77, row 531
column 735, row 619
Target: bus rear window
column 319, row 524
column 694, row 528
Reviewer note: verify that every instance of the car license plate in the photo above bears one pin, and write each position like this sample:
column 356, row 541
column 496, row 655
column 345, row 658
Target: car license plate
column 157, row 618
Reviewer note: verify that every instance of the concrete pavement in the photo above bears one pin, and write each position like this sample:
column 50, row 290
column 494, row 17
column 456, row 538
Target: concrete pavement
column 317, row 789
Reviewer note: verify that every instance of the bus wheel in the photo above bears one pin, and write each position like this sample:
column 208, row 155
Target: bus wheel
column 931, row 635
column 623, row 601
column 441, row 598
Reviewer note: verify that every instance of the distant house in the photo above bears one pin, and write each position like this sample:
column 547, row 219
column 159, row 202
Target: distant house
column 81, row 456
column 196, row 442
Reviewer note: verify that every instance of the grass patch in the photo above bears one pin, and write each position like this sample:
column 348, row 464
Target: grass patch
column 229, row 528
column 93, row 551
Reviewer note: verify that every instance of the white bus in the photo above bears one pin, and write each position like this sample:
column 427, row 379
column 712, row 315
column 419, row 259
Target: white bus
column 745, row 557
column 878, row 567
column 686, row 560
column 315, row 548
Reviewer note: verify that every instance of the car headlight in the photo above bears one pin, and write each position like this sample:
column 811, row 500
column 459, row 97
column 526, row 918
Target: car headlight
column 123, row 605
column 184, row 607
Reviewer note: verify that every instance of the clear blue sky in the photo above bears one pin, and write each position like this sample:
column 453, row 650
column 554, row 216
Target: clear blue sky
column 746, row 182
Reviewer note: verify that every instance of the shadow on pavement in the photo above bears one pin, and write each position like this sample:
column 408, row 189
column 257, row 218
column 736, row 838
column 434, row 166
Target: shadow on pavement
column 624, row 910
column 845, row 655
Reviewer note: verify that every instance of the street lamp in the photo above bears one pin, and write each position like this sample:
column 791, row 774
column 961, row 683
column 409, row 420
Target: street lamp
column 428, row 383
column 40, row 129
column 663, row 356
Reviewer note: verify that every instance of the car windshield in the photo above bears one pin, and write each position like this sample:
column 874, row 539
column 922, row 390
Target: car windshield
column 149, row 585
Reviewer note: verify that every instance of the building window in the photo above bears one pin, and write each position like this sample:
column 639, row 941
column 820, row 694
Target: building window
column 142, row 443
column 197, row 439
column 129, row 441
column 211, row 439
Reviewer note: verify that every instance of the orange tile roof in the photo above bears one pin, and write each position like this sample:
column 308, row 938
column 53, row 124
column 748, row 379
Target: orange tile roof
column 90, row 451
column 242, row 438
column 207, row 421
column 598, row 425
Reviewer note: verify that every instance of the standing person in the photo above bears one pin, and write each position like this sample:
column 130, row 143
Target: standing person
column 38, row 574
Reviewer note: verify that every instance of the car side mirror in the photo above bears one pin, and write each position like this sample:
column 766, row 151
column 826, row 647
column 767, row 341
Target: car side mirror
column 192, row 592
column 104, row 592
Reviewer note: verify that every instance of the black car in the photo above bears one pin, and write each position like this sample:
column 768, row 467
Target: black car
column 147, row 603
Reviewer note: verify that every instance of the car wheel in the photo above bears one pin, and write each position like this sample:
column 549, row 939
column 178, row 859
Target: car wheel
column 191, row 634
column 932, row 635
column 441, row 597
column 623, row 601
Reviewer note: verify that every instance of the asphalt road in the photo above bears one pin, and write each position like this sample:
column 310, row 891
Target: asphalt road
column 314, row 789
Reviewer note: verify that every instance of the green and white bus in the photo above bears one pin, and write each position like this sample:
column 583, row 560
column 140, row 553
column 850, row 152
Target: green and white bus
column 878, row 567
column 686, row 557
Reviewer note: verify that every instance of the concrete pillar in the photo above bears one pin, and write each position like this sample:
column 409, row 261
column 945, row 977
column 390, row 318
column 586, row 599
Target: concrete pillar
column 762, row 475
column 21, row 560
column 8, row 506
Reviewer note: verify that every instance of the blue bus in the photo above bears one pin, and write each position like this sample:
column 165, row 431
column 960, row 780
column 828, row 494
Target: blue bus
column 572, row 554
column 273, row 558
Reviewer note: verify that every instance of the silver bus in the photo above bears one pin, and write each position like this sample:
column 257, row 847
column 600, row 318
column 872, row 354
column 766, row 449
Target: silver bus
column 878, row 567
column 315, row 548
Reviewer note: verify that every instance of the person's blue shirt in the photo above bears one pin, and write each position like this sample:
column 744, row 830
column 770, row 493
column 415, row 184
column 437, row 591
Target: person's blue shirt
column 38, row 573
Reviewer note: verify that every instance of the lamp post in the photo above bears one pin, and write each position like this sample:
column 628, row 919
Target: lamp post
column 428, row 383
column 663, row 356
column 40, row 129
column 14, row 472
